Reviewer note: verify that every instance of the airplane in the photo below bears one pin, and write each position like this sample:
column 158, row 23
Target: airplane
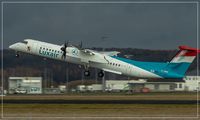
column 109, row 61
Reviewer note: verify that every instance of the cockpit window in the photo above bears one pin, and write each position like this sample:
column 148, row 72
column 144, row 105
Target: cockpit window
column 25, row 42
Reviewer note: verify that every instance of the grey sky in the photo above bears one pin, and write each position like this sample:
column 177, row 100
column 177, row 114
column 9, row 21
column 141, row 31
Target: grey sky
column 148, row 26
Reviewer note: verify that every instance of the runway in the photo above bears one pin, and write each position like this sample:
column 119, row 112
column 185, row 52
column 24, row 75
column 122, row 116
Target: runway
column 28, row 101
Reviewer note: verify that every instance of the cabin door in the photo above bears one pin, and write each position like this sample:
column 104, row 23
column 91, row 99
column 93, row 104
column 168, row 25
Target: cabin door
column 34, row 48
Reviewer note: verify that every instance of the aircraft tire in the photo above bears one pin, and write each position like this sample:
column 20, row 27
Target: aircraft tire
column 17, row 55
column 100, row 74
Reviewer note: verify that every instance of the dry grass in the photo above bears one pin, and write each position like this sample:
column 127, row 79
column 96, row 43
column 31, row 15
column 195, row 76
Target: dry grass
column 101, row 110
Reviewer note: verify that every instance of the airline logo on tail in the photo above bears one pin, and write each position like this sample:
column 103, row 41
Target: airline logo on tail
column 185, row 54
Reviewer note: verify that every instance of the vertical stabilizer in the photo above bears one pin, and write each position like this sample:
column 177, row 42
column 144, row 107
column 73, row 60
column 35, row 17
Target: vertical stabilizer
column 181, row 62
column 185, row 54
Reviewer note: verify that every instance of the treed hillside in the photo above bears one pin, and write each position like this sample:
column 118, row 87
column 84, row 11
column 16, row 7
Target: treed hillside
column 29, row 65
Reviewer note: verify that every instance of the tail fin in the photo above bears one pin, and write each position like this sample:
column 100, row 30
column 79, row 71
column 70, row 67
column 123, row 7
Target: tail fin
column 185, row 54
column 181, row 62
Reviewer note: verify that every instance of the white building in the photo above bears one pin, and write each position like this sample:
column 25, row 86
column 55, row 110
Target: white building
column 25, row 85
column 97, row 87
column 189, row 83
column 164, row 85
column 192, row 83
column 121, row 85
column 90, row 88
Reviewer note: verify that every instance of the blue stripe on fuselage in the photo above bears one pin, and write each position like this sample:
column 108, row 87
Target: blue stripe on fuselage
column 165, row 70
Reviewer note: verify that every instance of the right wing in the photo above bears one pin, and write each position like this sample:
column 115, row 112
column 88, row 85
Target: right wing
column 110, row 53
column 112, row 71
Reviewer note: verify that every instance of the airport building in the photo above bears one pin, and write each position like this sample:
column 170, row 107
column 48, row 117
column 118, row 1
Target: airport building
column 25, row 85
column 89, row 88
column 192, row 83
column 141, row 85
column 122, row 85
column 189, row 83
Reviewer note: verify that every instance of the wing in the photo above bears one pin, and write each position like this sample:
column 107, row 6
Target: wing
column 112, row 71
column 87, row 51
column 84, row 51
column 87, row 56
column 110, row 53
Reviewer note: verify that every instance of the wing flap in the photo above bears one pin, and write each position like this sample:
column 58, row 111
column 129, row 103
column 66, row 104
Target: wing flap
column 112, row 71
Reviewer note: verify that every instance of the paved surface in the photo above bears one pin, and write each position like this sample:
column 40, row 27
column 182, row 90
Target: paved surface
column 28, row 101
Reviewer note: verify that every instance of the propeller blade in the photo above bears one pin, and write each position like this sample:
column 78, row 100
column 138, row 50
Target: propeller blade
column 64, row 49
column 81, row 45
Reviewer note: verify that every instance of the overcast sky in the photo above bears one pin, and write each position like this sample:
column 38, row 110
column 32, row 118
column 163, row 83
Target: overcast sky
column 147, row 26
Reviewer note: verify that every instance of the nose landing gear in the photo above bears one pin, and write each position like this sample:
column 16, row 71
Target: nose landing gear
column 17, row 54
column 87, row 73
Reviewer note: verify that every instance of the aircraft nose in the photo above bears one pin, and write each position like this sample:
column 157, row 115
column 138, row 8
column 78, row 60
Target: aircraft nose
column 13, row 46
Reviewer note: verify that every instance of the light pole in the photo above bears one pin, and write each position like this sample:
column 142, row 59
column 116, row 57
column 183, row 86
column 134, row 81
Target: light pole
column 45, row 73
column 103, row 38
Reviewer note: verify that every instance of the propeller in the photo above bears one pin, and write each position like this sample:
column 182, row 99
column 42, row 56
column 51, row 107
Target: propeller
column 81, row 45
column 64, row 49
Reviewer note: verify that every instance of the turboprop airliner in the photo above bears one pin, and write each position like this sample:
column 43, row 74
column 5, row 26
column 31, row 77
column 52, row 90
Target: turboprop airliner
column 109, row 61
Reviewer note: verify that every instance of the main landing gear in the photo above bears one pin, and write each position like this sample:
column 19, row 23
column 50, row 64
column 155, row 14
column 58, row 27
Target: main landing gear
column 87, row 73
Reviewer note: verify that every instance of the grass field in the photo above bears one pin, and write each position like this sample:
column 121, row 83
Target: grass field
column 92, row 110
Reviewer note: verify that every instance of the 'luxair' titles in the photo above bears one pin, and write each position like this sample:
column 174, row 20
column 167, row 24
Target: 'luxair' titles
column 48, row 53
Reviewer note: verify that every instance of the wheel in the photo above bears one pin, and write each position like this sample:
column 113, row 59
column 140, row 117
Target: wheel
column 86, row 73
column 100, row 74
column 17, row 55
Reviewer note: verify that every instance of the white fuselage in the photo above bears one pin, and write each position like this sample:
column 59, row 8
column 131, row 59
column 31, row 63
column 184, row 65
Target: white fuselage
column 74, row 55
